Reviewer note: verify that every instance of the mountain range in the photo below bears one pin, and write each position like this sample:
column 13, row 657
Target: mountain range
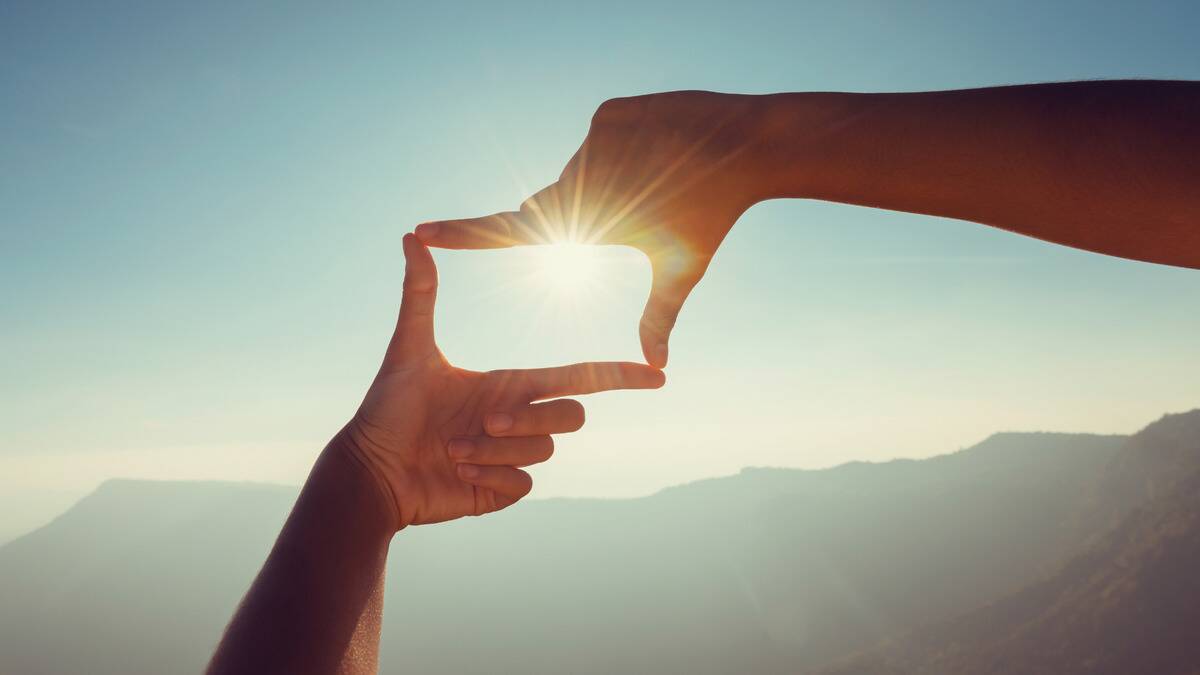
column 1029, row 552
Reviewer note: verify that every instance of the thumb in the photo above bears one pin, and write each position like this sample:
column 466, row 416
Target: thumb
column 413, row 339
column 668, row 291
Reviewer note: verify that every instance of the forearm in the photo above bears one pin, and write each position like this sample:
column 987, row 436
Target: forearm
column 315, row 606
column 1112, row 167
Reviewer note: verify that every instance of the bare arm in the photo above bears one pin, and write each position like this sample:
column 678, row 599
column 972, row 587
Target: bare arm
column 315, row 606
column 1111, row 167
column 430, row 443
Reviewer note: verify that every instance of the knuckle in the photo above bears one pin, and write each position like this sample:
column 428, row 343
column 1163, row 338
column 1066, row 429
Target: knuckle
column 617, row 109
column 537, row 203
column 502, row 377
column 659, row 322
column 414, row 284
column 607, row 109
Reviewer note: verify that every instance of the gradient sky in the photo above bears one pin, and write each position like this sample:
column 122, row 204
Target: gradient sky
column 201, row 211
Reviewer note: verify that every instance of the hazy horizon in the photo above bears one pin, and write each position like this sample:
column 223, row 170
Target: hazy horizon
column 201, row 211
column 41, row 509
column 1059, row 542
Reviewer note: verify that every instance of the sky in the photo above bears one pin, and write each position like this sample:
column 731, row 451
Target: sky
column 201, row 207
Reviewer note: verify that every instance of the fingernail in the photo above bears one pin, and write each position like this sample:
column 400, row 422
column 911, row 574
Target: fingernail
column 498, row 422
column 459, row 448
column 427, row 231
column 468, row 471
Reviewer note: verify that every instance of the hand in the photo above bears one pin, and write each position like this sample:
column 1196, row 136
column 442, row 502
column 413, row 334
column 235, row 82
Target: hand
column 666, row 173
column 443, row 442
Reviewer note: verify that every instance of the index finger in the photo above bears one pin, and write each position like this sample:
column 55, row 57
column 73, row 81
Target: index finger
column 499, row 230
column 589, row 378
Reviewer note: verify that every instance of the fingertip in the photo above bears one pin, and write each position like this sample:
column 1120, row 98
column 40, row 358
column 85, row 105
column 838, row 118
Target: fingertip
column 642, row 376
column 658, row 378
column 655, row 352
column 427, row 232
column 524, row 485
column 660, row 356
column 649, row 376
column 577, row 415
column 411, row 264
column 420, row 269
column 413, row 247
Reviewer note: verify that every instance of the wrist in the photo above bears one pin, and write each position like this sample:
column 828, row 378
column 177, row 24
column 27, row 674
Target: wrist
column 361, row 470
column 801, row 141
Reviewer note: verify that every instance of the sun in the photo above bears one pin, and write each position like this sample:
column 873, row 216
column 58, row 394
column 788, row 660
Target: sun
column 565, row 269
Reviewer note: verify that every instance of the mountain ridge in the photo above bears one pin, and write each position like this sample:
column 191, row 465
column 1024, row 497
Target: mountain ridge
column 1135, row 578
column 767, row 570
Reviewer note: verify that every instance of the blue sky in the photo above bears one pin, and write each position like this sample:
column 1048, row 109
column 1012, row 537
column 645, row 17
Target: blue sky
column 201, row 209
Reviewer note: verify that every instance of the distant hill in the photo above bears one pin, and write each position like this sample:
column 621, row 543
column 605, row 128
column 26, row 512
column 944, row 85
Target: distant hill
column 135, row 578
column 771, row 570
column 1128, row 602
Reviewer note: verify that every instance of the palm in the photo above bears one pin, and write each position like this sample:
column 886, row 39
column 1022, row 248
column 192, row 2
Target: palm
column 458, row 401
column 419, row 404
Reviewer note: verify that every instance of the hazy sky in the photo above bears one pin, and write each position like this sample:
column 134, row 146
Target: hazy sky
column 201, row 212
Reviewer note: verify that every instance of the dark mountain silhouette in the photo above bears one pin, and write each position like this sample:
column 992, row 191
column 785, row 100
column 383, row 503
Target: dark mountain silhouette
column 1129, row 602
column 771, row 570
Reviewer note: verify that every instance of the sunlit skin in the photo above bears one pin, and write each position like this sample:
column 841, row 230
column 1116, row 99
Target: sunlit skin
column 1111, row 167
column 430, row 443
column 452, row 451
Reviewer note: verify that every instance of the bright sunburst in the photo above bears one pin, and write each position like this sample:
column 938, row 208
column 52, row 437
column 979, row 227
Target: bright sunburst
column 567, row 286
column 565, row 269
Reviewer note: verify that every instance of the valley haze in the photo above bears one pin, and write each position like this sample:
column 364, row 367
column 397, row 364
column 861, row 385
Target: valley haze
column 897, row 567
